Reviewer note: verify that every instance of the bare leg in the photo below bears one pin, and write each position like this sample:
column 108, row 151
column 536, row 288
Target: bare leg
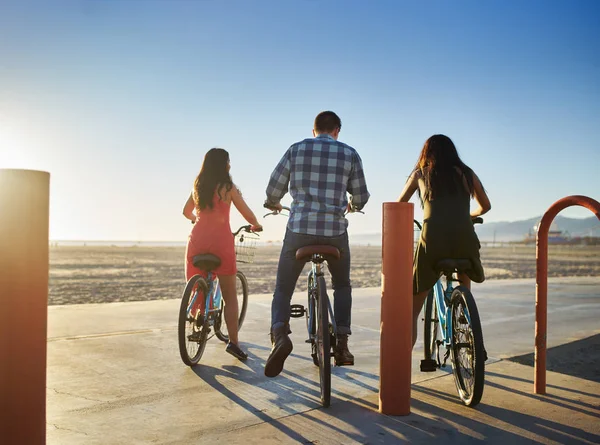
column 418, row 300
column 231, row 306
column 464, row 280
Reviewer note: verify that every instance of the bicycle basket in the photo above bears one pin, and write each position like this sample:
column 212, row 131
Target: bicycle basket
column 245, row 247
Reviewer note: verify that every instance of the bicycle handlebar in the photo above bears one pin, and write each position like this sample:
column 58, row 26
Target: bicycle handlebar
column 275, row 212
column 476, row 220
column 246, row 228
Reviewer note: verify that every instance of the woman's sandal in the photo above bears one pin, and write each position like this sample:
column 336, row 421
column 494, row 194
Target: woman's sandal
column 236, row 351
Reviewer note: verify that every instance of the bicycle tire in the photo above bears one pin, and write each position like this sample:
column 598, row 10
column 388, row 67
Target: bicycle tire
column 460, row 300
column 431, row 327
column 311, row 322
column 323, row 343
column 242, row 281
column 191, row 356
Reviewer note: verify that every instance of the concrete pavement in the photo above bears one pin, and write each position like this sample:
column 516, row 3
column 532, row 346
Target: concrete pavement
column 115, row 376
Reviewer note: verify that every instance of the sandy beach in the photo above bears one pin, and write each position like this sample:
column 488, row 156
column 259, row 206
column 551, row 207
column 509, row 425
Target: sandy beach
column 102, row 274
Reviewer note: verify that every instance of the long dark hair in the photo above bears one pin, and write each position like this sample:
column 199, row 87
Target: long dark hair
column 212, row 177
column 442, row 169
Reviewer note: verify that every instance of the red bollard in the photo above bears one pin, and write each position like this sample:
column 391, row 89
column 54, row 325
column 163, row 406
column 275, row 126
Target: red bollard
column 24, row 209
column 541, row 282
column 396, row 308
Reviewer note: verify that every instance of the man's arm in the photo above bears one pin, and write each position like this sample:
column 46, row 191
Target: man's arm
column 280, row 178
column 357, row 185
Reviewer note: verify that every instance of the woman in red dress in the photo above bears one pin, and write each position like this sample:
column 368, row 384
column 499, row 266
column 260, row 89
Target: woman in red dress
column 208, row 208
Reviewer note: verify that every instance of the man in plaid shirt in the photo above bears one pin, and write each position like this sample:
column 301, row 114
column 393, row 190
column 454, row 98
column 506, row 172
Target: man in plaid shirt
column 318, row 172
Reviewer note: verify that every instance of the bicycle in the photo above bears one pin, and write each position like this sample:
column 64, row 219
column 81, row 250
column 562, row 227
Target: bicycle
column 452, row 321
column 320, row 321
column 201, row 306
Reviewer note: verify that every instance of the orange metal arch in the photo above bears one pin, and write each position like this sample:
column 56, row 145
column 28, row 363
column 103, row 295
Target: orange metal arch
column 541, row 288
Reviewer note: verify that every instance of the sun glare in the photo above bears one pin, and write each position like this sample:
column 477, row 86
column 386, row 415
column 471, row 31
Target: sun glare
column 13, row 152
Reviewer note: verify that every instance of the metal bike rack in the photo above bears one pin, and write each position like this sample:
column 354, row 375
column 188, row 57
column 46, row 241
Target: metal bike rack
column 541, row 280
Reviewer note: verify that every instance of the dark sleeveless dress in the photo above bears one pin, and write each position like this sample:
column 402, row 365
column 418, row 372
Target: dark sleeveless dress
column 447, row 233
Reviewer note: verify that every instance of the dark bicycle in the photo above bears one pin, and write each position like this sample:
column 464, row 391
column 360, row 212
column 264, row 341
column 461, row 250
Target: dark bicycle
column 320, row 322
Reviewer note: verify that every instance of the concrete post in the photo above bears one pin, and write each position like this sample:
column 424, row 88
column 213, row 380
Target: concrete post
column 396, row 308
column 24, row 216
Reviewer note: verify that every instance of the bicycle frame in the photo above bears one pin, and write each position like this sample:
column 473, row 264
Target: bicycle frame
column 212, row 300
column 317, row 271
column 442, row 299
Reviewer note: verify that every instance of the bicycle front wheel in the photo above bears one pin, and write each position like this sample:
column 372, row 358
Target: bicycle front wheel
column 192, row 329
column 431, row 327
column 468, row 362
column 323, row 343
column 241, row 288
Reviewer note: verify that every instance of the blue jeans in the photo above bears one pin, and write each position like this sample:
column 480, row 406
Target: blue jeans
column 289, row 270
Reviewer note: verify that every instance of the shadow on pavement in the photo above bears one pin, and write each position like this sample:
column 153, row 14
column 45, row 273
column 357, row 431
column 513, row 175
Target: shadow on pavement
column 486, row 418
column 578, row 359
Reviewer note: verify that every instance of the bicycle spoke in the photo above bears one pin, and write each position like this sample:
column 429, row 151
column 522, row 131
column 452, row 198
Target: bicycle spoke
column 464, row 348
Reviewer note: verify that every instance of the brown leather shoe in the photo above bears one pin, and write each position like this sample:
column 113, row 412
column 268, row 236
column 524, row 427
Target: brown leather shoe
column 282, row 347
column 341, row 355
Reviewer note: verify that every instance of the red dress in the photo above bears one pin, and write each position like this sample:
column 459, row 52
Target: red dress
column 212, row 234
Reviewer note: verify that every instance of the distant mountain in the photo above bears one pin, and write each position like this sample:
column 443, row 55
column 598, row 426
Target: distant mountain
column 509, row 230
column 517, row 230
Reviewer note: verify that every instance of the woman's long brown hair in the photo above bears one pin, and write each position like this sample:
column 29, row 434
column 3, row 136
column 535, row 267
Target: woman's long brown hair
column 439, row 166
column 212, row 177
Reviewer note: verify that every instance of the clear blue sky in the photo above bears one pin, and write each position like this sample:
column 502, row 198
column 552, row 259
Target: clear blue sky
column 120, row 100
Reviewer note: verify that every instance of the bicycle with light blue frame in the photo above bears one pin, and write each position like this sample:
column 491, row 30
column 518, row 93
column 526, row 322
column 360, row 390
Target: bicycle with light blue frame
column 452, row 323
column 202, row 304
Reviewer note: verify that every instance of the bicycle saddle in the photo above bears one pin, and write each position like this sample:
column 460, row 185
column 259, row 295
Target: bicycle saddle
column 328, row 252
column 449, row 265
column 206, row 261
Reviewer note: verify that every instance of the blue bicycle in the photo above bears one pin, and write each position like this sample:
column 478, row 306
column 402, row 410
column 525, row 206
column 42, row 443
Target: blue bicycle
column 201, row 306
column 452, row 322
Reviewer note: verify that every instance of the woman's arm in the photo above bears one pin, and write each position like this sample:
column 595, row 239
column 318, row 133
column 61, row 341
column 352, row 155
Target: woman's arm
column 409, row 188
column 188, row 209
column 240, row 204
column 481, row 198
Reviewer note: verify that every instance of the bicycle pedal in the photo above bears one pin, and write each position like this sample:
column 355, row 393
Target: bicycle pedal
column 297, row 311
column 428, row 365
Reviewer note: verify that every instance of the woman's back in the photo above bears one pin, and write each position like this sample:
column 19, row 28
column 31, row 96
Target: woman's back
column 447, row 230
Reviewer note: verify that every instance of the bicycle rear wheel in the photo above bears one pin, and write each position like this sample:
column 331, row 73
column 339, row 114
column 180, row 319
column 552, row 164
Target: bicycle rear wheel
column 468, row 362
column 192, row 329
column 431, row 327
column 323, row 343
column 241, row 286
column 311, row 319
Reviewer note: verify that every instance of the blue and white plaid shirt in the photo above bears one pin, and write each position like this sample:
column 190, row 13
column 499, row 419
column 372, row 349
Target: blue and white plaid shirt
column 318, row 172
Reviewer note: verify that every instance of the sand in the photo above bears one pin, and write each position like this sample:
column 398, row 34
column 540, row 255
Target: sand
column 92, row 274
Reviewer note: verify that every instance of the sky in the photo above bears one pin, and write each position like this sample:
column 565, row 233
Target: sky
column 120, row 100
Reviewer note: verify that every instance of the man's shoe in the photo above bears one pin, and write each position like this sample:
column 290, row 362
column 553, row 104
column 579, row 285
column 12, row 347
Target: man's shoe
column 282, row 347
column 341, row 354
column 236, row 351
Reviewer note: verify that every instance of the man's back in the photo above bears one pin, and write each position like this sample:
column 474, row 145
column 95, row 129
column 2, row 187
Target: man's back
column 319, row 171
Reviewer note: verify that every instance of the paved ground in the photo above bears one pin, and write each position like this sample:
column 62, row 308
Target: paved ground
column 115, row 376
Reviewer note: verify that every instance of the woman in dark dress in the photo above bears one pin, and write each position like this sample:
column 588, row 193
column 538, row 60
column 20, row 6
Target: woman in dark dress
column 445, row 186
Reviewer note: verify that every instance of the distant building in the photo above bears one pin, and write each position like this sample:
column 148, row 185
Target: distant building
column 555, row 235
